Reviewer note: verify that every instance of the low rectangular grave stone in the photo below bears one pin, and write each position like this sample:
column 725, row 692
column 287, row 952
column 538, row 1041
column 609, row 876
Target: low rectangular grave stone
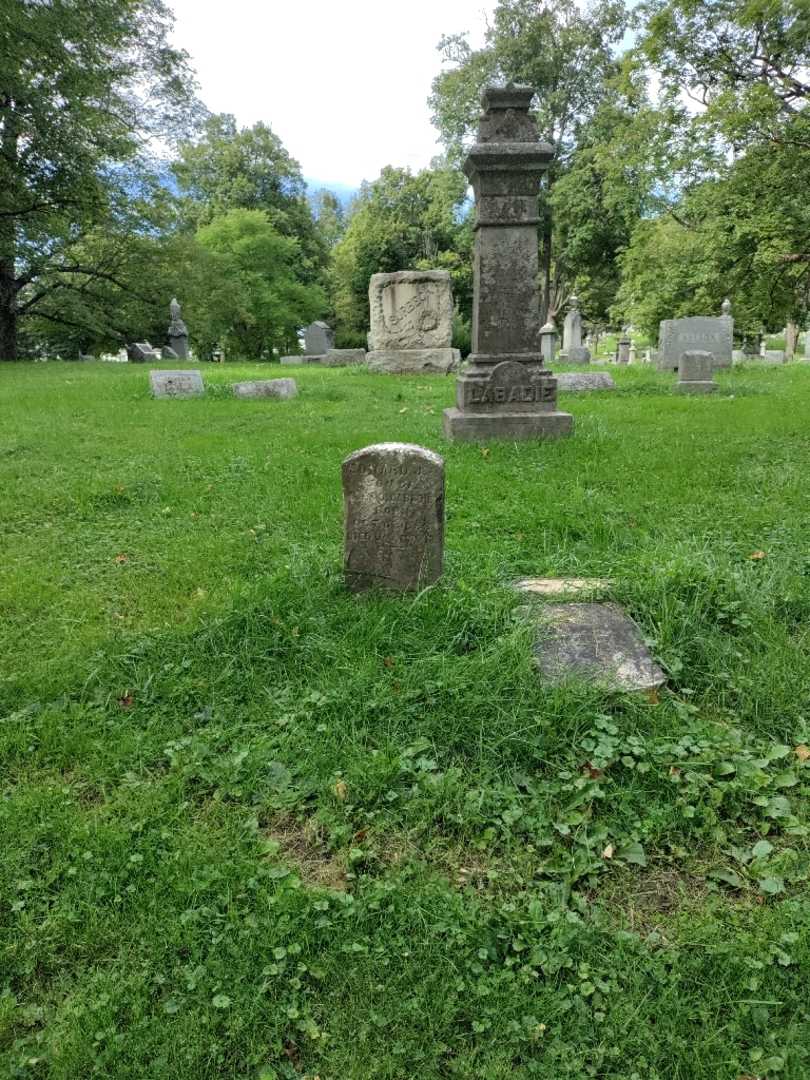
column 176, row 384
column 343, row 357
column 266, row 388
column 575, row 381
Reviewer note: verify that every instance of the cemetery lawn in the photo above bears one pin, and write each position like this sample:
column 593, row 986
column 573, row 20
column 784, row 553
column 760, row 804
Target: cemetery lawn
column 256, row 827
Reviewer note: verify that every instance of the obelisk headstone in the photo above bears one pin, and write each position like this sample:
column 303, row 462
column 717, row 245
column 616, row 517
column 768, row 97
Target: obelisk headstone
column 393, row 496
column 178, row 333
column 506, row 392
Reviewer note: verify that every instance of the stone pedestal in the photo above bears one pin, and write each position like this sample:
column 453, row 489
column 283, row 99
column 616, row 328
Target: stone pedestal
column 506, row 392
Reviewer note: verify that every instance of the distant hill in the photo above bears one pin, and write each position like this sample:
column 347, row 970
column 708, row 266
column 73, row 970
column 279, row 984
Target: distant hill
column 344, row 192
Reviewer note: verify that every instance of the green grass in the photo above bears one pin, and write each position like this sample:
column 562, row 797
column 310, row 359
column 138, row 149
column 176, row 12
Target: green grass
column 254, row 826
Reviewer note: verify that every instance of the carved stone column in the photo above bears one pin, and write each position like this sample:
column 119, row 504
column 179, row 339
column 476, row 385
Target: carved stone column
column 506, row 392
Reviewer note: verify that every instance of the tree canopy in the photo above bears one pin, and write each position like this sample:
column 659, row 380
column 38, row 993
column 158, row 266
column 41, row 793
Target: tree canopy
column 84, row 86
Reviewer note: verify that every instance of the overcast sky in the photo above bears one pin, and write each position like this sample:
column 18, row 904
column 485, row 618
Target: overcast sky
column 344, row 85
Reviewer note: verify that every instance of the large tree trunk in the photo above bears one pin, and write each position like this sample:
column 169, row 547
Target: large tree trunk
column 8, row 291
column 8, row 312
column 8, row 233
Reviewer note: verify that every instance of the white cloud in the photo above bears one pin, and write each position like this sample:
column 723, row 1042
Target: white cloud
column 344, row 86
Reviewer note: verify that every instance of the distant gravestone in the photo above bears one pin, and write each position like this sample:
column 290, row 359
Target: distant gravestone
column 696, row 373
column 319, row 338
column 178, row 333
column 579, row 354
column 623, row 350
column 773, row 356
column 701, row 333
column 575, row 381
column 141, row 351
column 807, row 344
column 393, row 497
column 411, row 322
column 176, row 384
column 572, row 327
column 598, row 643
column 343, row 357
column 266, row 388
column 168, row 354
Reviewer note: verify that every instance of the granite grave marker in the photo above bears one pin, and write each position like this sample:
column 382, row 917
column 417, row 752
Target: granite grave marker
column 176, row 384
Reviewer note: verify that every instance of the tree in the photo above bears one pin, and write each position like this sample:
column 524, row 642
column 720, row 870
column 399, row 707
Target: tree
column 734, row 217
column 84, row 84
column 330, row 217
column 227, row 169
column 401, row 222
column 246, row 295
column 565, row 54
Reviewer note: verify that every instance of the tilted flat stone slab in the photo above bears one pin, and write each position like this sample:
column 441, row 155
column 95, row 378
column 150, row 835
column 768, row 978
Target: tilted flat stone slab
column 176, row 384
column 597, row 643
column 413, row 361
column 266, row 388
column 565, row 586
column 576, row 381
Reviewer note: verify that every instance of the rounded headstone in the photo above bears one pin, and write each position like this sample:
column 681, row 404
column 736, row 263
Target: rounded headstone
column 393, row 497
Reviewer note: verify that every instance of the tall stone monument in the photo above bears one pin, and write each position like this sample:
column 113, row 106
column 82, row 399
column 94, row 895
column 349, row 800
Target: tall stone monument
column 393, row 496
column 178, row 333
column 506, row 392
column 411, row 322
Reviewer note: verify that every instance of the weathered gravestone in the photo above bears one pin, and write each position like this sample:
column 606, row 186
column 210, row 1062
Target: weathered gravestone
column 393, row 497
column 623, row 350
column 343, row 357
column 411, row 322
column 576, row 381
column 176, row 384
column 140, row 352
column 178, row 333
column 266, row 388
column 696, row 373
column 506, row 392
column 773, row 356
column 699, row 333
column 807, row 344
column 575, row 351
column 598, row 643
column 579, row 354
column 168, row 354
column 319, row 338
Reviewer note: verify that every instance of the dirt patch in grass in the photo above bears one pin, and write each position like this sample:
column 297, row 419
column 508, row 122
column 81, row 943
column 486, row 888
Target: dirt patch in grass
column 643, row 901
column 303, row 845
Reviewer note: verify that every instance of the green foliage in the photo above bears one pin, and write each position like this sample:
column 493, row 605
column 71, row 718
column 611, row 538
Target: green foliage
column 83, row 86
column 246, row 295
column 228, row 169
column 736, row 222
column 401, row 222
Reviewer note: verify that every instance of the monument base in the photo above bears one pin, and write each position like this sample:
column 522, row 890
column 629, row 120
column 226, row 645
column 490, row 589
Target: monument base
column 413, row 361
column 481, row 427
